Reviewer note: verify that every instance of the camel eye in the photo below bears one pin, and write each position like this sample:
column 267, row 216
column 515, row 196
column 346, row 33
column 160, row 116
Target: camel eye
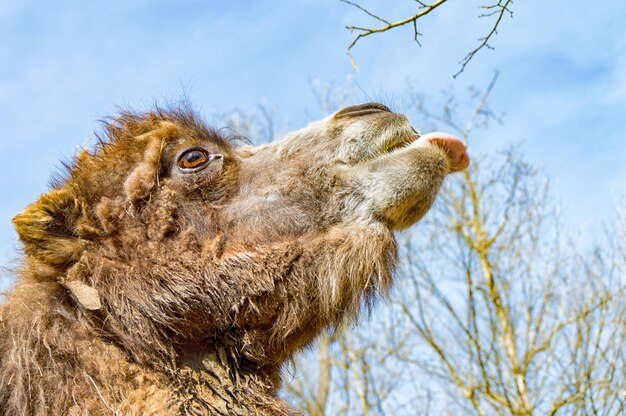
column 193, row 160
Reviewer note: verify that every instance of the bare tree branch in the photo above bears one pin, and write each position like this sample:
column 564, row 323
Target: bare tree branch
column 498, row 9
column 424, row 10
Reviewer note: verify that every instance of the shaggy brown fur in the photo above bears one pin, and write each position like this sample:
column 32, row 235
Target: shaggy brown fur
column 149, row 288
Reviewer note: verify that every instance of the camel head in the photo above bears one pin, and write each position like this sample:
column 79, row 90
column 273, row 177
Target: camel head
column 168, row 235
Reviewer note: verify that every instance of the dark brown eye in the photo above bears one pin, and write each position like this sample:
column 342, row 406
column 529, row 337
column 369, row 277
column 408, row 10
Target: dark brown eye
column 193, row 160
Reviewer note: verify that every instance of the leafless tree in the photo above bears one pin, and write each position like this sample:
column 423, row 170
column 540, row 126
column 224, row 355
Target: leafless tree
column 515, row 320
column 495, row 10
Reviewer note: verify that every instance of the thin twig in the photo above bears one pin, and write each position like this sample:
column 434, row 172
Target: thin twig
column 365, row 11
column 389, row 25
column 485, row 41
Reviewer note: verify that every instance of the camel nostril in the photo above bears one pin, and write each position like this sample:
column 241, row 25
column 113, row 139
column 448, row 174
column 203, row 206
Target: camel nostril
column 362, row 110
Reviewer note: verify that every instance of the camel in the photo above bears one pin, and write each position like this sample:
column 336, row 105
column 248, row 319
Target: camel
column 172, row 272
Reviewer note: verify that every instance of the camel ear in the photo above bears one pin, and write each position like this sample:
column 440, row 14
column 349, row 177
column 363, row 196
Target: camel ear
column 48, row 228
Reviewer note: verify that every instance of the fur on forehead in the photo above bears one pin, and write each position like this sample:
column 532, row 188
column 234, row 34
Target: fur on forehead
column 129, row 149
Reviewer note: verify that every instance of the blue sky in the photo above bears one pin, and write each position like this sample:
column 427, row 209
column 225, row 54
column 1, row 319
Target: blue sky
column 63, row 65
